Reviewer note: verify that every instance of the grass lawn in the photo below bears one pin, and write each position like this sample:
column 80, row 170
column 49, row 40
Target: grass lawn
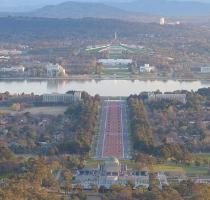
column 167, row 168
column 122, row 73
column 189, row 170
column 194, row 170
column 202, row 156
column 92, row 163
column 119, row 71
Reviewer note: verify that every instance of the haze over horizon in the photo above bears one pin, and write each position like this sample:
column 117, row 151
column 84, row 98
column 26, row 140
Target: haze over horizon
column 23, row 5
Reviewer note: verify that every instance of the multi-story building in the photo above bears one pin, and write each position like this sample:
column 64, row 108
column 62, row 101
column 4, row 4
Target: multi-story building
column 162, row 21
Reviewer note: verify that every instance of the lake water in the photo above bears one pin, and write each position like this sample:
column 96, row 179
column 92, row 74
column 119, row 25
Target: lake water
column 103, row 87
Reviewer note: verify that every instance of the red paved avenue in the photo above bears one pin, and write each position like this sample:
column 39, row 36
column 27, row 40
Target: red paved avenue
column 113, row 136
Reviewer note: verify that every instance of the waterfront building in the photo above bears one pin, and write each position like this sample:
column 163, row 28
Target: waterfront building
column 12, row 69
column 173, row 97
column 55, row 70
column 73, row 96
column 205, row 69
column 146, row 68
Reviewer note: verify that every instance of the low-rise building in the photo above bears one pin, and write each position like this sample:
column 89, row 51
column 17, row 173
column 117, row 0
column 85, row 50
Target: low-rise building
column 174, row 97
column 73, row 96
column 111, row 172
column 115, row 62
column 205, row 69
column 55, row 70
column 12, row 69
column 146, row 68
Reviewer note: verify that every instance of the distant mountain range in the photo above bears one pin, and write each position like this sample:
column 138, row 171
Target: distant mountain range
column 77, row 10
column 80, row 10
column 139, row 10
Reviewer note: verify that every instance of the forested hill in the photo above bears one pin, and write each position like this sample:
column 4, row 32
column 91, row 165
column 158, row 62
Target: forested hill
column 105, row 9
column 80, row 10
column 29, row 29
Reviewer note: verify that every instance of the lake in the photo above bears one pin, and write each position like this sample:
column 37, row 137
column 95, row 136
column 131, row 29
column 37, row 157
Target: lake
column 102, row 87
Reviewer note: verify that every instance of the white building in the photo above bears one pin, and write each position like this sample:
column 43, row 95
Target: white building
column 55, row 70
column 109, row 173
column 173, row 97
column 12, row 69
column 115, row 62
column 146, row 68
column 162, row 21
column 6, row 52
column 74, row 96
column 205, row 69
column 116, row 49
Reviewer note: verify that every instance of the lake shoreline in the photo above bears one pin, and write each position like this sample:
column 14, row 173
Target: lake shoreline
column 112, row 87
column 90, row 78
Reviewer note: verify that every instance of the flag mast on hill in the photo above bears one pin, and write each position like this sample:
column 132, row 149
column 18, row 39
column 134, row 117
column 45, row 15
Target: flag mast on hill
column 115, row 36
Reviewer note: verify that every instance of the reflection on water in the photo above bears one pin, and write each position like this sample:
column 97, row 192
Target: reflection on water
column 103, row 87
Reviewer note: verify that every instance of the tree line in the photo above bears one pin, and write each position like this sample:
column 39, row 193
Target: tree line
column 84, row 116
column 142, row 135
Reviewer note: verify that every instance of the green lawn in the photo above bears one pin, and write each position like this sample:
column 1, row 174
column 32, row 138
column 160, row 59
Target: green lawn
column 202, row 156
column 194, row 170
column 189, row 170
column 92, row 163
column 118, row 72
column 167, row 168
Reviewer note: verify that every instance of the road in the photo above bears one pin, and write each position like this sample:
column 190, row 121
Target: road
column 113, row 136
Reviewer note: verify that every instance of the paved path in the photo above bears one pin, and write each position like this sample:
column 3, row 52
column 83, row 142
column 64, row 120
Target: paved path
column 113, row 136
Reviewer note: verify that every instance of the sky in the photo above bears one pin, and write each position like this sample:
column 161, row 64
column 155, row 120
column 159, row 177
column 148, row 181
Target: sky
column 22, row 5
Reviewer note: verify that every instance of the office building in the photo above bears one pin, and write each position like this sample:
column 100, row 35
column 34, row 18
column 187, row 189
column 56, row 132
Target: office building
column 73, row 96
column 162, row 21
column 205, row 69
column 173, row 97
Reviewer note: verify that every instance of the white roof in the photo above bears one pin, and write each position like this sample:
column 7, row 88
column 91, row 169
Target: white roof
column 115, row 61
